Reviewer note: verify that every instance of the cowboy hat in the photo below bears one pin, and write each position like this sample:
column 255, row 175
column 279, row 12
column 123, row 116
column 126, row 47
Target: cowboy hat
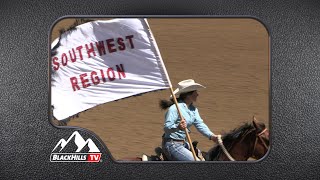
column 186, row 86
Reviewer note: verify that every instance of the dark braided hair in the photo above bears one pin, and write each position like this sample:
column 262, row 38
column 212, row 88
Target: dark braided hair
column 165, row 104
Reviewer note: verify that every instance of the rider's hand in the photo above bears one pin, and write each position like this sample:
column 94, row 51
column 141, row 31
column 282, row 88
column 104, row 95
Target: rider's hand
column 182, row 124
column 214, row 138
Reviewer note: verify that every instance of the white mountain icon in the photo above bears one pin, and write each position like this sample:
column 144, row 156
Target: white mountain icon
column 79, row 142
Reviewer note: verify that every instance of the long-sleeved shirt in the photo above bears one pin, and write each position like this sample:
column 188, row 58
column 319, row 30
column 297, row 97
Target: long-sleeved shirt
column 192, row 117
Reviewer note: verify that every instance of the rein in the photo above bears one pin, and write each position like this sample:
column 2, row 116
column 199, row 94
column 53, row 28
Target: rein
column 224, row 148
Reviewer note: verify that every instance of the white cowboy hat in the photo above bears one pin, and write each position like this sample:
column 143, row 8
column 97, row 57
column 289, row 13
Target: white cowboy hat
column 186, row 86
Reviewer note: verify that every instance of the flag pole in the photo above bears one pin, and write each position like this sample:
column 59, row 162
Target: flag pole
column 171, row 90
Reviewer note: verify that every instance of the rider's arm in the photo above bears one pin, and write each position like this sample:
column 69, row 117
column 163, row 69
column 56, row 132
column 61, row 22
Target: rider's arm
column 201, row 126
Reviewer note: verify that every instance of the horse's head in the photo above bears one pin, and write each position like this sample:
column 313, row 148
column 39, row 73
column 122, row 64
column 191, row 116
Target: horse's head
column 255, row 141
column 261, row 143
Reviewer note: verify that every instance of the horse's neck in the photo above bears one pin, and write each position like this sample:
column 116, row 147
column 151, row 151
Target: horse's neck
column 240, row 148
column 241, row 151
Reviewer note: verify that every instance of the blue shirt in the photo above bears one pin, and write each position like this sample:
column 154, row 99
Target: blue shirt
column 192, row 117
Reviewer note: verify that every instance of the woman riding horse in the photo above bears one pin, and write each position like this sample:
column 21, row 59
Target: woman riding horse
column 250, row 140
column 174, row 144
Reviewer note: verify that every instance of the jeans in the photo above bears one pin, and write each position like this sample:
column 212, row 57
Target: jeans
column 177, row 151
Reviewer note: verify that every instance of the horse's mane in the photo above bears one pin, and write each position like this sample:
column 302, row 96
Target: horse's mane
column 228, row 138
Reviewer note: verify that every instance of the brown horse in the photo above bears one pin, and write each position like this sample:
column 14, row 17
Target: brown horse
column 249, row 140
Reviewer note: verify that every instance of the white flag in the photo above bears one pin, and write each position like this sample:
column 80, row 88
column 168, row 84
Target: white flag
column 103, row 61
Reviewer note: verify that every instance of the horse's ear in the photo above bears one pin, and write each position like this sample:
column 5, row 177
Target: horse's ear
column 254, row 122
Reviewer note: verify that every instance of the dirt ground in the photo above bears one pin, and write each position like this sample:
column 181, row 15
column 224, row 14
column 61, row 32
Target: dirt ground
column 230, row 56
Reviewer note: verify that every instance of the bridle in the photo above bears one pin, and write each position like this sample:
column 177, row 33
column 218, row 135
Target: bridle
column 259, row 137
